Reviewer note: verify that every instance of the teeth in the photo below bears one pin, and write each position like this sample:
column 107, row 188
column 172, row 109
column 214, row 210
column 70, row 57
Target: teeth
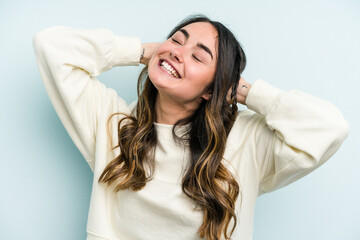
column 169, row 69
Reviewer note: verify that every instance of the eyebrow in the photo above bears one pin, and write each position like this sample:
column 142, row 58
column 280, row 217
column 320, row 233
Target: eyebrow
column 200, row 45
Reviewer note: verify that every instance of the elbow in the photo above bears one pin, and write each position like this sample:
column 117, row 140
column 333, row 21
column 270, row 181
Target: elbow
column 46, row 36
column 338, row 131
column 341, row 127
column 344, row 129
column 334, row 131
column 39, row 41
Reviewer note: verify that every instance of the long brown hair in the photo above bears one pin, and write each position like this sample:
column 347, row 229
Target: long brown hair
column 206, row 180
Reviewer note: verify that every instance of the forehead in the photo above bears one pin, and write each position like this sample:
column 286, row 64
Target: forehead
column 203, row 32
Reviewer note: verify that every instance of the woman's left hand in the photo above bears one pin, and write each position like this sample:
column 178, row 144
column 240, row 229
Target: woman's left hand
column 241, row 93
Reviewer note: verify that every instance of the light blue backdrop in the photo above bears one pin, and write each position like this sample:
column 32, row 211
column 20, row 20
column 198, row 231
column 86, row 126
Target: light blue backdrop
column 309, row 45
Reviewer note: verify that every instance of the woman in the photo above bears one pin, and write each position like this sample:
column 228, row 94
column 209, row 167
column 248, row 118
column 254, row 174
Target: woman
column 187, row 165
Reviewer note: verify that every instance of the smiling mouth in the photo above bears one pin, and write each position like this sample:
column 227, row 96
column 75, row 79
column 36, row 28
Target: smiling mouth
column 169, row 69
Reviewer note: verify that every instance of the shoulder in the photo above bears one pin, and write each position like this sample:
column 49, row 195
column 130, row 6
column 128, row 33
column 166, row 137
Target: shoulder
column 247, row 128
column 247, row 119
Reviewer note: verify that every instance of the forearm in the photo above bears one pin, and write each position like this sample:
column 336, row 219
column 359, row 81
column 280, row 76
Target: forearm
column 304, row 122
column 68, row 61
column 298, row 133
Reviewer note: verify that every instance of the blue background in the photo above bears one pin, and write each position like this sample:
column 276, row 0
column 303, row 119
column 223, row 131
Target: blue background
column 310, row 45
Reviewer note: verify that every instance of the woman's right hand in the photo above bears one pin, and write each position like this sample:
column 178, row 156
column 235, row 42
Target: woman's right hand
column 148, row 49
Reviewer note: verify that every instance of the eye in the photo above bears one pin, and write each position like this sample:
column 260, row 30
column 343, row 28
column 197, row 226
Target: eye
column 174, row 40
column 196, row 58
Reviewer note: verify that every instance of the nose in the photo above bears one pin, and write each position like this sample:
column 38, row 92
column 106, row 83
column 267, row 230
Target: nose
column 177, row 54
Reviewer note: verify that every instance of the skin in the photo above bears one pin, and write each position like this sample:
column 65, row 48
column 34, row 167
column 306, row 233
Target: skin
column 179, row 97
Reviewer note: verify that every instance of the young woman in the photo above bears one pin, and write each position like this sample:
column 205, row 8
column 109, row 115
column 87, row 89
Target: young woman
column 188, row 164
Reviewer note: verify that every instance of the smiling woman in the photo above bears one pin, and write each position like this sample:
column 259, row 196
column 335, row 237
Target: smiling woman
column 188, row 164
column 197, row 98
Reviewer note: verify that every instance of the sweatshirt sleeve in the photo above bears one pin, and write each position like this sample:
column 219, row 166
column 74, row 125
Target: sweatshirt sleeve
column 298, row 133
column 69, row 59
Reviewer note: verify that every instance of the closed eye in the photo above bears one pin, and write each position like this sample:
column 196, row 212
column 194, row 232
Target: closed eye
column 174, row 40
column 196, row 58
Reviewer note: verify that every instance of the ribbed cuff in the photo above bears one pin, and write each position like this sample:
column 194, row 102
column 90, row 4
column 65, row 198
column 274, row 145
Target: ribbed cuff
column 127, row 51
column 261, row 97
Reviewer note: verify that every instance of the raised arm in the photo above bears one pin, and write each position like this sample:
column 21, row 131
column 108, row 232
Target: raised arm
column 69, row 59
column 296, row 133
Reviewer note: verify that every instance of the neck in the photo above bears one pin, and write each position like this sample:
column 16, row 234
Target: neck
column 169, row 111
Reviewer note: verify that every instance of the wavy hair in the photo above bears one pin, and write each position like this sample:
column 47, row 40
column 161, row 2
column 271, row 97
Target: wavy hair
column 206, row 180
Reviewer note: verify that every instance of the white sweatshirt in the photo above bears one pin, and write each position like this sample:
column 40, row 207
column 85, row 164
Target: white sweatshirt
column 286, row 136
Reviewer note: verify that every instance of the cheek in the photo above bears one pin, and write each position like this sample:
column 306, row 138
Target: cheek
column 154, row 60
column 152, row 64
column 151, row 70
column 163, row 48
column 200, row 77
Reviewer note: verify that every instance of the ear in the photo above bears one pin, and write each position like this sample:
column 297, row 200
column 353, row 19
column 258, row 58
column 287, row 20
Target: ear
column 206, row 96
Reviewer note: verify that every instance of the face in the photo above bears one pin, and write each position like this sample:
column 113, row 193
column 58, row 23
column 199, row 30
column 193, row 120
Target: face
column 184, row 65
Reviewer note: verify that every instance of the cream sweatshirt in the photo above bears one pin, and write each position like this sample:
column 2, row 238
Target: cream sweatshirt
column 284, row 136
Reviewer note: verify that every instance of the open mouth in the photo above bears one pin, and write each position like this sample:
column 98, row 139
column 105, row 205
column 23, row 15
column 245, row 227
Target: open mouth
column 169, row 69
